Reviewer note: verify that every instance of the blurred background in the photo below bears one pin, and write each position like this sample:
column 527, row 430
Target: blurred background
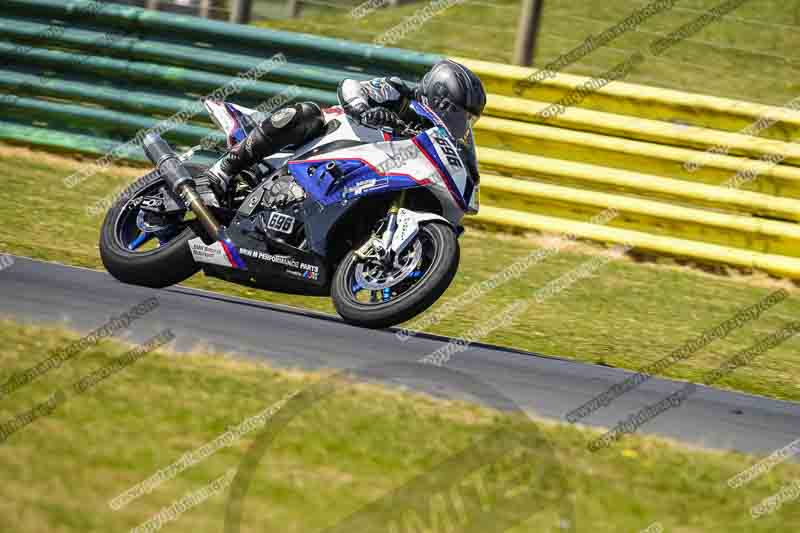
column 752, row 53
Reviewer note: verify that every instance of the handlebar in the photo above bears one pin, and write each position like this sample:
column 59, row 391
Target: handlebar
column 403, row 128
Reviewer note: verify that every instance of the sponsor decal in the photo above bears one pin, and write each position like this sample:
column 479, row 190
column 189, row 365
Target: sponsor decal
column 307, row 274
column 398, row 158
column 151, row 203
column 449, row 150
column 214, row 254
column 312, row 271
column 361, row 186
column 280, row 222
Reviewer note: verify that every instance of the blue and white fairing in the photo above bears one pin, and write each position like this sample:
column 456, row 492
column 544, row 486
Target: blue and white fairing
column 235, row 120
column 374, row 163
column 350, row 161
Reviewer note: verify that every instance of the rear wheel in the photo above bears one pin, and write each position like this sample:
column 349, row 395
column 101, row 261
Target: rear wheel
column 141, row 251
column 366, row 292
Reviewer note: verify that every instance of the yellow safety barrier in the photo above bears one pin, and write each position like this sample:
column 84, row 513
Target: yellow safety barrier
column 637, row 156
column 641, row 101
column 774, row 264
column 630, row 127
column 737, row 231
column 612, row 180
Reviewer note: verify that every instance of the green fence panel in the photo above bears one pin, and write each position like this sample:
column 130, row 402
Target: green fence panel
column 161, row 52
column 81, row 72
column 112, row 124
column 310, row 47
column 177, row 79
column 58, row 140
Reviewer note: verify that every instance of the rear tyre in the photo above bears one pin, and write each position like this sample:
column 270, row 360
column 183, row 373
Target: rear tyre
column 170, row 263
column 442, row 251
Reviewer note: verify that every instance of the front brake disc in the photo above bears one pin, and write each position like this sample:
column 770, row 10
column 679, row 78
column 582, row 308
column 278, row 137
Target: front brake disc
column 374, row 276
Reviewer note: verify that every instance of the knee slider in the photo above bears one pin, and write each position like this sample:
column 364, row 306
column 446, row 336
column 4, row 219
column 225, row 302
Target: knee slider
column 294, row 124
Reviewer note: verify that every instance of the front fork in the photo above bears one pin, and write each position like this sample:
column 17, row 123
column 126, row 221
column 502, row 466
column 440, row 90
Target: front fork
column 381, row 247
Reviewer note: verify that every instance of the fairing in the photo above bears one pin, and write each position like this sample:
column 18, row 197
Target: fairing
column 338, row 171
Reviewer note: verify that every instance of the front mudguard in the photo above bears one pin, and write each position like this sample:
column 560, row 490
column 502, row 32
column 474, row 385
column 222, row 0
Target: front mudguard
column 408, row 223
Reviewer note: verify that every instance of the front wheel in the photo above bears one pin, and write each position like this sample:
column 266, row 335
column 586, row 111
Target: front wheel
column 375, row 295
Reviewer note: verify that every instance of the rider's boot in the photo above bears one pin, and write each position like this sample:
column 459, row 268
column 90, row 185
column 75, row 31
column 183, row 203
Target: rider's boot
column 293, row 125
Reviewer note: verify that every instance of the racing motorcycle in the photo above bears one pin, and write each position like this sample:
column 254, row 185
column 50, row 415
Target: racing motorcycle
column 370, row 217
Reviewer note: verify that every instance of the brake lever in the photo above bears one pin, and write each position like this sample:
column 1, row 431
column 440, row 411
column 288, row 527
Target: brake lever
column 406, row 129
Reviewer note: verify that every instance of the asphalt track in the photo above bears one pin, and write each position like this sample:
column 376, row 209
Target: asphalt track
column 544, row 386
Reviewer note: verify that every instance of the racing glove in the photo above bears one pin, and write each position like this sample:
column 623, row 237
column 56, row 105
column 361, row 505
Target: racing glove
column 379, row 116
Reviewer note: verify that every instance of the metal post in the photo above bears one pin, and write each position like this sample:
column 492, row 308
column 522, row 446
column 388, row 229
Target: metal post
column 240, row 12
column 526, row 32
column 293, row 8
column 205, row 8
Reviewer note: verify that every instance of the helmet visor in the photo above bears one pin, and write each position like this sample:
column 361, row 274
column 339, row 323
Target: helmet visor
column 459, row 121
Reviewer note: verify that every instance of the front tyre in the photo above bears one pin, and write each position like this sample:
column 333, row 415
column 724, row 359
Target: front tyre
column 370, row 294
column 152, row 259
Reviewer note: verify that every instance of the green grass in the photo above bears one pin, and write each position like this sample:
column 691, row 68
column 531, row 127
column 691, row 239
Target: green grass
column 752, row 54
column 625, row 315
column 348, row 449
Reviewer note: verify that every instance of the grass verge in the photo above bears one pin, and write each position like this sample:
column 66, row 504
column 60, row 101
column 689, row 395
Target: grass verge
column 751, row 54
column 623, row 314
column 348, row 449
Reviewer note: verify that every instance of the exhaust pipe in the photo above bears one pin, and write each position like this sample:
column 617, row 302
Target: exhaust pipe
column 164, row 158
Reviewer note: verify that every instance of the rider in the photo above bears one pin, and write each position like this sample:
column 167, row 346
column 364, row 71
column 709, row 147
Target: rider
column 453, row 91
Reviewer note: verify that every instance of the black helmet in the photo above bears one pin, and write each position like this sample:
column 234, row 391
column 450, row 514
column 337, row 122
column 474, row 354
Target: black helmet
column 454, row 93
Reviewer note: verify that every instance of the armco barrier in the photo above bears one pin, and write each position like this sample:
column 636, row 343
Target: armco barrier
column 618, row 152
column 642, row 101
column 80, row 76
column 757, row 234
column 631, row 127
column 623, row 182
column 774, row 264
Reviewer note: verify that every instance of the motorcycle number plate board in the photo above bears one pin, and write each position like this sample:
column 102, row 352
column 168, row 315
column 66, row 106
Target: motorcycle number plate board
column 280, row 222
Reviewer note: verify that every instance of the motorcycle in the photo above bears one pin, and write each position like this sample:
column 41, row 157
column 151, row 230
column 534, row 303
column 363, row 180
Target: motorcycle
column 370, row 217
